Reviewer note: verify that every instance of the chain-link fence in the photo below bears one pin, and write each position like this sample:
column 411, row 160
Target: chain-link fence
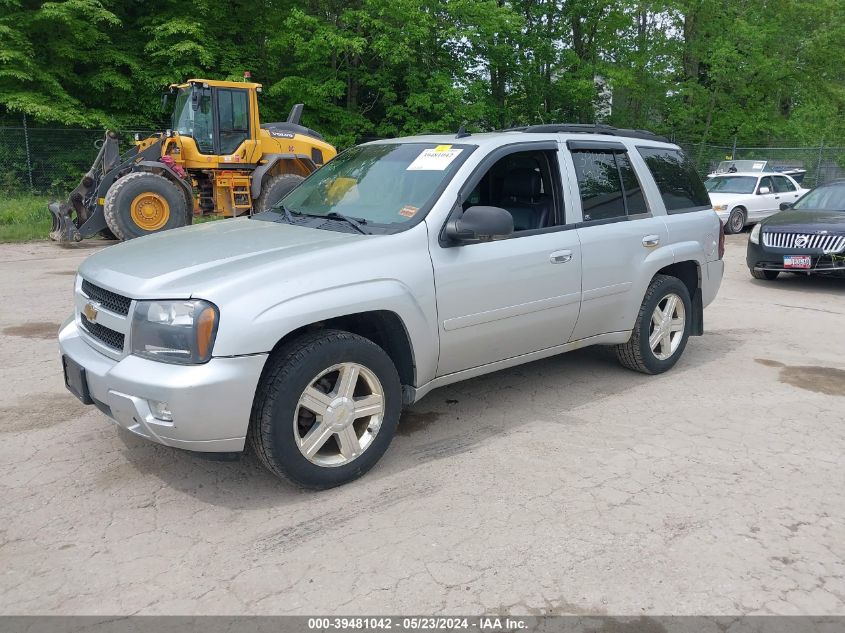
column 821, row 164
column 51, row 161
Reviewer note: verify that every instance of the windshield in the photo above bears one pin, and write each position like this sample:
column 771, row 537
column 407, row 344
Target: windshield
column 740, row 165
column 385, row 184
column 731, row 184
column 825, row 198
column 196, row 123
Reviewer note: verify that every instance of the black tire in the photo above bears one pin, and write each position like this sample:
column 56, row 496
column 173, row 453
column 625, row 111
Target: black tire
column 637, row 354
column 765, row 275
column 288, row 372
column 736, row 221
column 124, row 191
column 275, row 188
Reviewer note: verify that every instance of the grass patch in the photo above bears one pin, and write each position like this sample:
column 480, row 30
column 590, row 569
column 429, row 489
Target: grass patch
column 24, row 218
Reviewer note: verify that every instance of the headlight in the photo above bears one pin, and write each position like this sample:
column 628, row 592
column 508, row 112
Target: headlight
column 755, row 233
column 720, row 207
column 174, row 331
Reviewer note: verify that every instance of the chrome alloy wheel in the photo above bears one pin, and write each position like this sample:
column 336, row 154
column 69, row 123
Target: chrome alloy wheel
column 338, row 415
column 667, row 326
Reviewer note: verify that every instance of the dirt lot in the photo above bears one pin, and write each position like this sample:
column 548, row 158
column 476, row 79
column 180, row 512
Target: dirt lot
column 568, row 485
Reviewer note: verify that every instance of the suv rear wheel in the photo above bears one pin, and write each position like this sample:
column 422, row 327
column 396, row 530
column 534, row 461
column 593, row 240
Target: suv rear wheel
column 326, row 409
column 662, row 328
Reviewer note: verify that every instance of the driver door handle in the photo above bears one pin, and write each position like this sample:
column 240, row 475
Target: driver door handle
column 560, row 257
column 651, row 240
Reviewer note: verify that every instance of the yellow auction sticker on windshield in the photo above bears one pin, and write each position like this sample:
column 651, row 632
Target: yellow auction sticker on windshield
column 436, row 159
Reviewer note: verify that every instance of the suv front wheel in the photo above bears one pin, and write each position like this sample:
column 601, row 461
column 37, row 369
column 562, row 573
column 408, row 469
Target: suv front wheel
column 662, row 328
column 326, row 409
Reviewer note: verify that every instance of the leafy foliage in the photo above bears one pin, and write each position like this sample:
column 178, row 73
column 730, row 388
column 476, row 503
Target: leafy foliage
column 703, row 70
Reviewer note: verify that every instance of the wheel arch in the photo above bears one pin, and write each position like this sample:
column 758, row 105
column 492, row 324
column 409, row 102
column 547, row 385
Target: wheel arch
column 689, row 273
column 276, row 164
column 385, row 328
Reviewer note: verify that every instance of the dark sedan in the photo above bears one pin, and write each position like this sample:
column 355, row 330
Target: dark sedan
column 808, row 237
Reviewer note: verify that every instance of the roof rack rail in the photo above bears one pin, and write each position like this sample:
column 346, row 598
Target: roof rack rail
column 589, row 128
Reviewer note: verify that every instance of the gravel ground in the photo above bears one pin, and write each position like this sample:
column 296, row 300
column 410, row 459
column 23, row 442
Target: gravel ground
column 569, row 485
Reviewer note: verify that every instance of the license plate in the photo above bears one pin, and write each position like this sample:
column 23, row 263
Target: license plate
column 797, row 261
column 75, row 380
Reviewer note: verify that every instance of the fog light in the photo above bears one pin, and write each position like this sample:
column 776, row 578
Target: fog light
column 160, row 411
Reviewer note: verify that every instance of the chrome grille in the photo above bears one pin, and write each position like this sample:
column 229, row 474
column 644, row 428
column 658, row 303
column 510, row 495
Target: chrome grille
column 109, row 300
column 103, row 334
column 805, row 241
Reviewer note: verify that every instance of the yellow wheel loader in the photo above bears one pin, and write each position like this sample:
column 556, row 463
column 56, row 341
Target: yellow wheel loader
column 217, row 158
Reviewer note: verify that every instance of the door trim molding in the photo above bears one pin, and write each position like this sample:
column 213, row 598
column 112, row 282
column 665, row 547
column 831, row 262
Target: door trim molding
column 479, row 318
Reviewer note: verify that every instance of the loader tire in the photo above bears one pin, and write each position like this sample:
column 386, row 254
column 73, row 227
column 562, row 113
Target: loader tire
column 274, row 189
column 142, row 203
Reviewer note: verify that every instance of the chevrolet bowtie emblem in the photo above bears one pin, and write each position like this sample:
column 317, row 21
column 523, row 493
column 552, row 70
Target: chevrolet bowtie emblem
column 90, row 312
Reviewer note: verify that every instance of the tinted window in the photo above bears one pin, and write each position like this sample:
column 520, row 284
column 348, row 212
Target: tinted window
column 634, row 197
column 599, row 184
column 608, row 184
column 766, row 182
column 679, row 184
column 783, row 184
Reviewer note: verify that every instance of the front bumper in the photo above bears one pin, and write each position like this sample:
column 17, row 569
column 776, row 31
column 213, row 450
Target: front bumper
column 210, row 403
column 760, row 257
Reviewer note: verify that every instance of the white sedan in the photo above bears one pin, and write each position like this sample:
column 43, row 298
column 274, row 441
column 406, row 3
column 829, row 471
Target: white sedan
column 746, row 197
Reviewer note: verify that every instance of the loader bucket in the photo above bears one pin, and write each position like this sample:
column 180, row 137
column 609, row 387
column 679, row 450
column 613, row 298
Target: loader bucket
column 80, row 203
column 64, row 229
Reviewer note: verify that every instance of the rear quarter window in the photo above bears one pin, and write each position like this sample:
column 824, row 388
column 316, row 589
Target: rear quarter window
column 679, row 184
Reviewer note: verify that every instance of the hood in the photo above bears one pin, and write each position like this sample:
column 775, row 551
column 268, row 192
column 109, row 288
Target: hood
column 806, row 221
column 177, row 263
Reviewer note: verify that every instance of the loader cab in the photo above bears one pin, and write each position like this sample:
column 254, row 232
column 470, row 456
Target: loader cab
column 219, row 116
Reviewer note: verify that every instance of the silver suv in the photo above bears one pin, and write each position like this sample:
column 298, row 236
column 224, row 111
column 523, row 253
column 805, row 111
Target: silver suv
column 399, row 267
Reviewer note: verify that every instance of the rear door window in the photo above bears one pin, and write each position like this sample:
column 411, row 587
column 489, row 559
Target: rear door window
column 679, row 184
column 783, row 184
column 608, row 185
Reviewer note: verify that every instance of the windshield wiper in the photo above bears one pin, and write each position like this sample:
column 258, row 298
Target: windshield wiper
column 286, row 212
column 356, row 223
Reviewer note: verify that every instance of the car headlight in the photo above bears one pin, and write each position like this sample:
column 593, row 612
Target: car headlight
column 755, row 233
column 720, row 207
column 180, row 331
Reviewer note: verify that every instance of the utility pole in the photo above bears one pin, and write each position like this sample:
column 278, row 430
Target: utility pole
column 819, row 163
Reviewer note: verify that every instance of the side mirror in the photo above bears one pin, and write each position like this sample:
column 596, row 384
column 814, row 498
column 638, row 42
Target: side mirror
column 785, row 205
column 480, row 224
column 762, row 191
